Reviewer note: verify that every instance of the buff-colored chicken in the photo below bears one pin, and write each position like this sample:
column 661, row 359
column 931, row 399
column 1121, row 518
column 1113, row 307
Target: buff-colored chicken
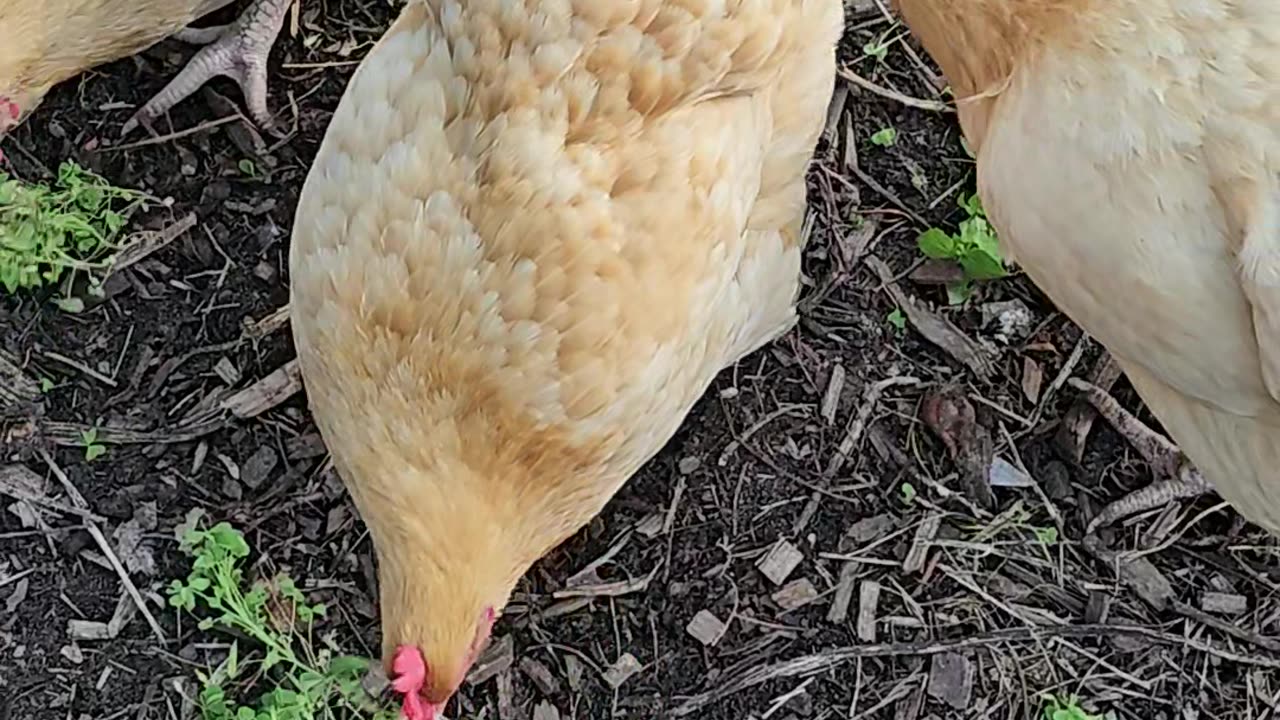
column 48, row 41
column 1129, row 154
column 535, row 232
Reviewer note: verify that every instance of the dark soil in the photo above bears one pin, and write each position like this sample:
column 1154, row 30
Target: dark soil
column 1000, row 610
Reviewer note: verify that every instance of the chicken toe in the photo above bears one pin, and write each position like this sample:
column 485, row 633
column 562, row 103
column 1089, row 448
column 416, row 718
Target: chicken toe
column 238, row 50
column 1177, row 477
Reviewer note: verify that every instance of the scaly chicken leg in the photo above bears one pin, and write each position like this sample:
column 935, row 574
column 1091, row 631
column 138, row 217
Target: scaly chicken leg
column 1176, row 477
column 238, row 50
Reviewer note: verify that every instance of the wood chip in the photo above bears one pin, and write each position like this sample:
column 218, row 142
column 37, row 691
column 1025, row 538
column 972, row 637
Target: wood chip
column 935, row 328
column 1137, row 573
column 1032, row 379
column 868, row 607
column 1007, row 475
column 706, row 628
column 227, row 371
column 88, row 630
column 496, row 659
column 872, row 528
column 1098, row 609
column 651, row 525
column 839, row 610
column 17, row 390
column 267, row 325
column 72, row 653
column 280, row 385
column 607, row 589
column 676, row 495
column 951, row 680
column 305, row 447
column 1224, row 603
column 265, row 271
column 831, row 398
column 566, row 607
column 937, row 272
column 128, row 539
column 1010, row 320
column 795, row 594
column 541, row 676
column 102, row 678
column 780, row 561
column 545, row 711
column 573, row 672
column 16, row 597
column 921, row 543
column 144, row 244
column 258, row 467
column 125, row 612
column 506, row 696
column 622, row 670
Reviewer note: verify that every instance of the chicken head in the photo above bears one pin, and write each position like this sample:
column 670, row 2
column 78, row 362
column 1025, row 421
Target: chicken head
column 450, row 550
column 426, row 692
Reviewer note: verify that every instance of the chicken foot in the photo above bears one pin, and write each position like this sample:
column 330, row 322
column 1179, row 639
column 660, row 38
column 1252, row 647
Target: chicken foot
column 1178, row 478
column 238, row 50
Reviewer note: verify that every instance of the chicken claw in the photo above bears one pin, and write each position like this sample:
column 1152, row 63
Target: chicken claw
column 238, row 50
column 1180, row 479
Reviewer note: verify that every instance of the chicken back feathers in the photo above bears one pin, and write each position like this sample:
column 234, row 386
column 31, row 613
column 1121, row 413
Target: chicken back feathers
column 533, row 234
column 1129, row 158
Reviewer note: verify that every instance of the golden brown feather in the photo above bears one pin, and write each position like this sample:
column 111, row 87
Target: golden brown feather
column 534, row 233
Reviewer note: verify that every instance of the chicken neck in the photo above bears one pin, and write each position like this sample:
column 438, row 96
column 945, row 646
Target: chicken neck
column 451, row 544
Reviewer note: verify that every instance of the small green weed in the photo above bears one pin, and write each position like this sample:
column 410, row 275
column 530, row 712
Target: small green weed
column 884, row 137
column 908, row 492
column 975, row 248
column 897, row 319
column 46, row 231
column 1066, row 707
column 309, row 683
column 879, row 47
column 1046, row 535
column 92, row 448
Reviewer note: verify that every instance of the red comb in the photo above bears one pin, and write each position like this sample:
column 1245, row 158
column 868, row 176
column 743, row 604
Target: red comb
column 410, row 673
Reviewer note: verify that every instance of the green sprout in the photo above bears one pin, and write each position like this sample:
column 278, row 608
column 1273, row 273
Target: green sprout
column 47, row 230
column 884, row 137
column 306, row 682
column 897, row 319
column 908, row 493
column 976, row 249
column 1065, row 707
column 1046, row 535
column 92, row 448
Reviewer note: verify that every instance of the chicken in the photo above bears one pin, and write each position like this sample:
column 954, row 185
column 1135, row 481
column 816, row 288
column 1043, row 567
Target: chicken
column 49, row 41
column 1128, row 154
column 534, row 233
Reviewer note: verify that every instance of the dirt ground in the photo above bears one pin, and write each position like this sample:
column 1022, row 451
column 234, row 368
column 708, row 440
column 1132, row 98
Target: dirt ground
column 908, row 601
